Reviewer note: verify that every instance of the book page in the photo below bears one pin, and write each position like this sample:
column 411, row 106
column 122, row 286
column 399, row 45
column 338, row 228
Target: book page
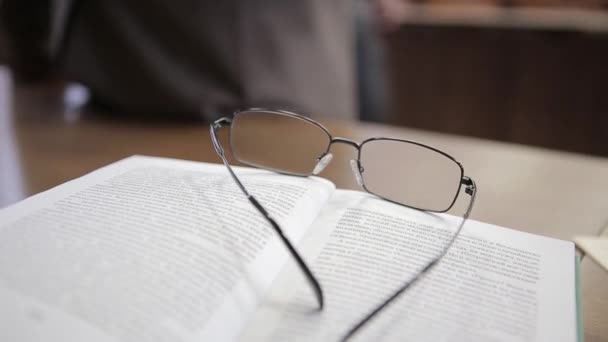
column 147, row 249
column 495, row 284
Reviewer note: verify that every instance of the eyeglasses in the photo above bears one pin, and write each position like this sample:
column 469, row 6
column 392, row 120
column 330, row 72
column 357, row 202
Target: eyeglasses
column 425, row 178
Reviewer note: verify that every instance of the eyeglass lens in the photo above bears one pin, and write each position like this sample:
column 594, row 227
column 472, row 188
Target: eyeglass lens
column 254, row 141
column 409, row 174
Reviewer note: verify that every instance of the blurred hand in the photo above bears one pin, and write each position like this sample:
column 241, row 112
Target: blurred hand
column 390, row 13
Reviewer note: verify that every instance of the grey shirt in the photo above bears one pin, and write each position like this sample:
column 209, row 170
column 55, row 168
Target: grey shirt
column 208, row 58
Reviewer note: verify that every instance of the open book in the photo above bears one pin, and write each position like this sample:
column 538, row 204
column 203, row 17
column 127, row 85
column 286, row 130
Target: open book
column 153, row 249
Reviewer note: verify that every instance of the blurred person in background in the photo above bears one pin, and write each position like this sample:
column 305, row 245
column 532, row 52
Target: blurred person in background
column 195, row 58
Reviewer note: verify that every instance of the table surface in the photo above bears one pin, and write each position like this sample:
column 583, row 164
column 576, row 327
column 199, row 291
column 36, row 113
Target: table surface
column 44, row 142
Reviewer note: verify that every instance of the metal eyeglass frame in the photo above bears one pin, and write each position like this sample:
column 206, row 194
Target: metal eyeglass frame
column 469, row 187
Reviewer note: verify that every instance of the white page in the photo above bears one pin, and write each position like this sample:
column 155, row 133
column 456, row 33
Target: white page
column 495, row 284
column 147, row 249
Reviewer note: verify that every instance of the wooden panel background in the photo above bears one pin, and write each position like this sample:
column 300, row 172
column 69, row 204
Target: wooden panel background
column 545, row 88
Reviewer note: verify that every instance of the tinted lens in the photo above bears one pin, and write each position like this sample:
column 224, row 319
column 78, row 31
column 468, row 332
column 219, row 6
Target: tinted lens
column 410, row 174
column 277, row 141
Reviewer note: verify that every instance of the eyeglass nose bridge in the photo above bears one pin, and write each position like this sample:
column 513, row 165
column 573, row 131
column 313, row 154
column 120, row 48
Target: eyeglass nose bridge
column 326, row 158
column 354, row 164
column 338, row 140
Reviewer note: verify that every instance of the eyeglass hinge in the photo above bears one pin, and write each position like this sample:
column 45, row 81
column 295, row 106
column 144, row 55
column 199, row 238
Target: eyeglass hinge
column 221, row 122
column 469, row 185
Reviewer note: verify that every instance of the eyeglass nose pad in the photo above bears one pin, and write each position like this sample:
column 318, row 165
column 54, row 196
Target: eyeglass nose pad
column 354, row 165
column 322, row 163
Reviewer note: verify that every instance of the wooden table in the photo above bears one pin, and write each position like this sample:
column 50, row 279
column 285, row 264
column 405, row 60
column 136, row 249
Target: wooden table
column 44, row 143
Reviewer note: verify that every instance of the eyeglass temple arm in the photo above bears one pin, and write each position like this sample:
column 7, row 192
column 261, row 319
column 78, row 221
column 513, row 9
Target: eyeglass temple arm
column 215, row 126
column 471, row 190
